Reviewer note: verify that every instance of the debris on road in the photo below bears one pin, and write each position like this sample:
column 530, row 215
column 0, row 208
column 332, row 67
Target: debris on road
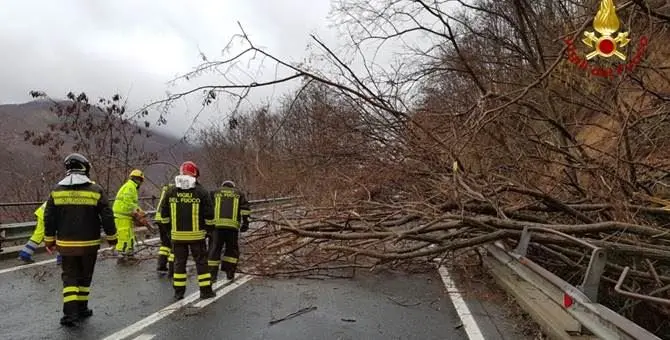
column 293, row 315
column 403, row 303
column 337, row 240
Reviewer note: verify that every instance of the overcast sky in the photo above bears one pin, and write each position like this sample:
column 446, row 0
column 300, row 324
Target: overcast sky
column 135, row 47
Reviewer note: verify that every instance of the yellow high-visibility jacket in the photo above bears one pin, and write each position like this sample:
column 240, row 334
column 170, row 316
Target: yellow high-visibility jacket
column 127, row 201
column 38, row 235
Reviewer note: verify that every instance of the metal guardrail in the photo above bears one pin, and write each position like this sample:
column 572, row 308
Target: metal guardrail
column 580, row 302
column 14, row 232
column 37, row 203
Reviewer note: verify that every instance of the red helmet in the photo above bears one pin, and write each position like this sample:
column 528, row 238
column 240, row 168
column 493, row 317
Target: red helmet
column 189, row 168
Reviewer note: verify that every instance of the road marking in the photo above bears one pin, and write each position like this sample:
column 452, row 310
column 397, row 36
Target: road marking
column 242, row 279
column 157, row 316
column 145, row 337
column 41, row 263
column 467, row 319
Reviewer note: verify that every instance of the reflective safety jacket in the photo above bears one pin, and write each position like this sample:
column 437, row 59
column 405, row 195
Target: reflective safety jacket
column 74, row 215
column 127, row 200
column 230, row 208
column 158, row 218
column 38, row 234
column 186, row 211
column 39, row 213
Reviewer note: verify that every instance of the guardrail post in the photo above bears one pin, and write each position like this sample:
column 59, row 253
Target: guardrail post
column 522, row 246
column 593, row 274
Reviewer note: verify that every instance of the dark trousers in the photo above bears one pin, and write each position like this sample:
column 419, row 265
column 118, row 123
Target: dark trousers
column 77, row 277
column 227, row 238
column 199, row 252
column 165, row 254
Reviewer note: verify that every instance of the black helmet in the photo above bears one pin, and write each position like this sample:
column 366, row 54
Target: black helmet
column 77, row 163
column 228, row 183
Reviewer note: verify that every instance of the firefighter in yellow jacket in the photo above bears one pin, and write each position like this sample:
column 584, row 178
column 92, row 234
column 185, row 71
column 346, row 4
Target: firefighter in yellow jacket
column 231, row 216
column 26, row 254
column 126, row 208
column 186, row 207
column 75, row 212
column 165, row 255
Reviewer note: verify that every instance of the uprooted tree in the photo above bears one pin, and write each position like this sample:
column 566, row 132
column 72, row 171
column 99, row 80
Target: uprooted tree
column 483, row 128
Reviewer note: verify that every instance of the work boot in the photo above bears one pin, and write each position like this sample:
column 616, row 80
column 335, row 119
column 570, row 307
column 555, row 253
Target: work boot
column 206, row 292
column 84, row 311
column 25, row 257
column 69, row 320
column 70, row 314
column 229, row 269
column 179, row 292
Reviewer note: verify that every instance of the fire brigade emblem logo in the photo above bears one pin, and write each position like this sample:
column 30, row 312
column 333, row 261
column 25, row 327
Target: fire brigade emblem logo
column 606, row 23
column 606, row 41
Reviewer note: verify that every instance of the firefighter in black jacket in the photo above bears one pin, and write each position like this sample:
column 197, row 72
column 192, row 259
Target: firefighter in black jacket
column 231, row 215
column 76, row 210
column 186, row 207
column 165, row 254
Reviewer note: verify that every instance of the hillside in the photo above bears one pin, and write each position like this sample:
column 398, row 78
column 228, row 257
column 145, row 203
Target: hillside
column 27, row 161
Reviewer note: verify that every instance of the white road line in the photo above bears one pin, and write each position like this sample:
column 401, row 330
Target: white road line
column 157, row 316
column 240, row 280
column 153, row 318
column 41, row 263
column 145, row 337
column 468, row 320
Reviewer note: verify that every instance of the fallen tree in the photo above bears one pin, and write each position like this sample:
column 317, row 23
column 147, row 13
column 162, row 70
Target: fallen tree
column 337, row 240
column 484, row 129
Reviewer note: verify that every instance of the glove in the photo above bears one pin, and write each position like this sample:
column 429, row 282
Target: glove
column 244, row 227
column 50, row 246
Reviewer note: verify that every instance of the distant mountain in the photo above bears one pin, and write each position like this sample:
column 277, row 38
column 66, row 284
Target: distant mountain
column 21, row 161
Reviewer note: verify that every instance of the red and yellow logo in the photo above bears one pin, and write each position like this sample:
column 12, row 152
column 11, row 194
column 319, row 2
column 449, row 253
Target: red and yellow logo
column 606, row 42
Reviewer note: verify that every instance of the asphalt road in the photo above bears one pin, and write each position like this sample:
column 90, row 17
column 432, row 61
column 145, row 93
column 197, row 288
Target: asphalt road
column 369, row 306
column 32, row 302
column 382, row 306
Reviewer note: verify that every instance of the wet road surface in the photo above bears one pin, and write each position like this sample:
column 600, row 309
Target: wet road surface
column 32, row 302
column 382, row 306
column 369, row 306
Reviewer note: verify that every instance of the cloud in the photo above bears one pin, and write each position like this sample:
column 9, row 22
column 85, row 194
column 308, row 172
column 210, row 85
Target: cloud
column 135, row 47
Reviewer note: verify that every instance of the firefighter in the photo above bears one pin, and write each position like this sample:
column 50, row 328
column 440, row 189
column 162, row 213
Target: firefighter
column 231, row 216
column 186, row 207
column 126, row 209
column 76, row 210
column 165, row 255
column 26, row 254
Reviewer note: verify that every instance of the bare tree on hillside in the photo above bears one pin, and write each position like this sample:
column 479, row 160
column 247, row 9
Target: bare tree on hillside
column 103, row 131
column 487, row 128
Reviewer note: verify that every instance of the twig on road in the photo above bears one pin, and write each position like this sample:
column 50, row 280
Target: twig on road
column 294, row 314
